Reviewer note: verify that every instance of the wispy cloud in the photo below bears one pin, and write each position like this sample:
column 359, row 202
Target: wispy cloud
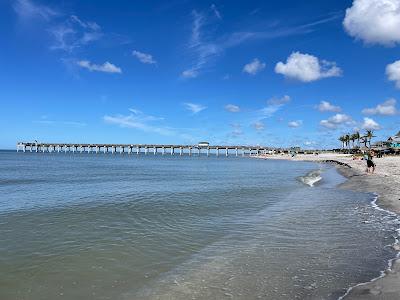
column 138, row 120
column 86, row 25
column 276, row 31
column 193, row 107
column 144, row 58
column 216, row 11
column 204, row 47
column 190, row 73
column 273, row 105
column 144, row 117
column 45, row 121
column 74, row 33
column 203, row 50
column 27, row 10
column 236, row 130
column 279, row 101
column 258, row 117
column 258, row 125
column 74, row 123
column 68, row 32
column 106, row 67
column 232, row 108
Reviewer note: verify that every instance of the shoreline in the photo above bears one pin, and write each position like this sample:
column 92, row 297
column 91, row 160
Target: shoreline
column 385, row 184
column 387, row 284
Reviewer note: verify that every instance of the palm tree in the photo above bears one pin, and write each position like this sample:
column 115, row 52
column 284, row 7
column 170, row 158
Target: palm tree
column 364, row 140
column 353, row 138
column 369, row 135
column 347, row 141
column 357, row 137
column 342, row 139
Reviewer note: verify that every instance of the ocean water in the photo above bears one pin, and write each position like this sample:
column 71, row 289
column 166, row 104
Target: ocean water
column 87, row 226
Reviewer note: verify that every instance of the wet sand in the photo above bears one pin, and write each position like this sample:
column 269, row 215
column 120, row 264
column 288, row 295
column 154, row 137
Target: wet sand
column 385, row 182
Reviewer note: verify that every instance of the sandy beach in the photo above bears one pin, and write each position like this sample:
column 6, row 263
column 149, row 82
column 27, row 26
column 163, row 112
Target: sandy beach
column 385, row 182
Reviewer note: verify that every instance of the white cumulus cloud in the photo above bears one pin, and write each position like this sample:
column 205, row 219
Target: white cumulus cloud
column 374, row 21
column 324, row 106
column 107, row 67
column 194, row 108
column 393, row 72
column 254, row 67
column 327, row 124
column 144, row 57
column 307, row 68
column 295, row 124
column 387, row 108
column 232, row 108
column 340, row 118
column 336, row 121
column 370, row 124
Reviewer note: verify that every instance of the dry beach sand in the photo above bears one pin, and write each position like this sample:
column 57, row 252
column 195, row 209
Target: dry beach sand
column 385, row 182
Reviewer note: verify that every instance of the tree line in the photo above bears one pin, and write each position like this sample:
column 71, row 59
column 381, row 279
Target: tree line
column 349, row 140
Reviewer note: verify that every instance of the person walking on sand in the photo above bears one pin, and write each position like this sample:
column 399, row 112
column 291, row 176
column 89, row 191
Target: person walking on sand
column 370, row 163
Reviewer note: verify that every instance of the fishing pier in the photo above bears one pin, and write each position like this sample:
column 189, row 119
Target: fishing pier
column 200, row 149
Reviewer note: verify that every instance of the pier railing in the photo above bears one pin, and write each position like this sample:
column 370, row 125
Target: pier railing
column 143, row 148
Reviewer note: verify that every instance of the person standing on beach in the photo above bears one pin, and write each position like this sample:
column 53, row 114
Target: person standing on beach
column 370, row 163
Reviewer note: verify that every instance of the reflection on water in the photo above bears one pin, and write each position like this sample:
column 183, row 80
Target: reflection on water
column 119, row 227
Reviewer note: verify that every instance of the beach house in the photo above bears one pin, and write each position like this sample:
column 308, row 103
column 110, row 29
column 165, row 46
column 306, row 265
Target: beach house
column 394, row 142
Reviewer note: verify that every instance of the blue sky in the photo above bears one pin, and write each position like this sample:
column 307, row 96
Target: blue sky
column 276, row 73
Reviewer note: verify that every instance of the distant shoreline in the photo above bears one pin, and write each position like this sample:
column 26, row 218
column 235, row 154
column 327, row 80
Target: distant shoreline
column 385, row 183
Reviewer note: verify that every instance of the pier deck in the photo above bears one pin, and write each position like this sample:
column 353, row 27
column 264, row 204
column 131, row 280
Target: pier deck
column 142, row 148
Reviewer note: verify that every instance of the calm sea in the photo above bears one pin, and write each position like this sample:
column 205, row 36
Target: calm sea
column 89, row 226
